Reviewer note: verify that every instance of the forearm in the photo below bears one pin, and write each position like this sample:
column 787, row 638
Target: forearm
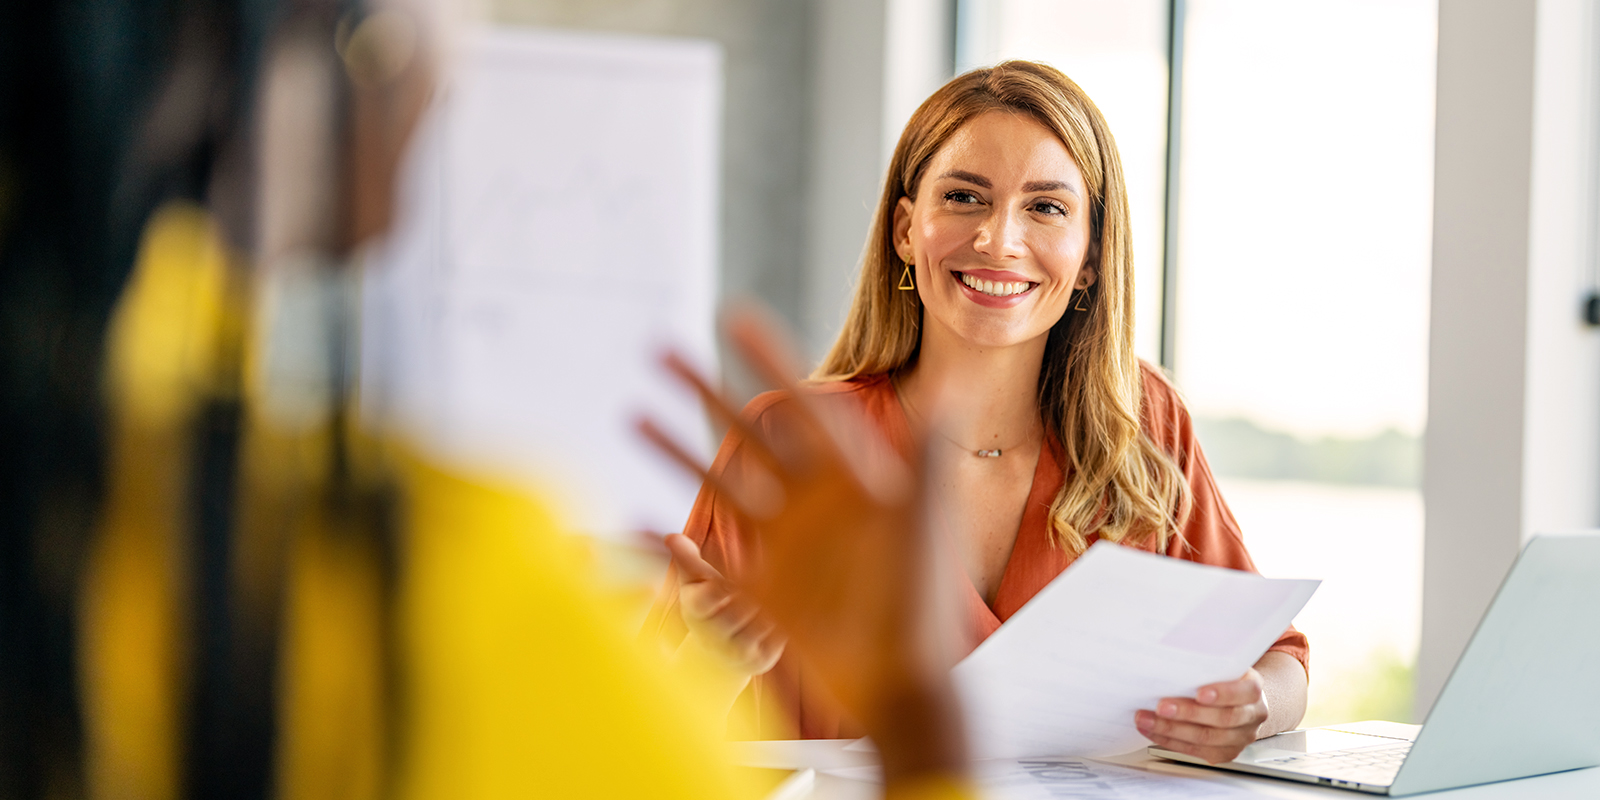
column 919, row 733
column 1283, row 681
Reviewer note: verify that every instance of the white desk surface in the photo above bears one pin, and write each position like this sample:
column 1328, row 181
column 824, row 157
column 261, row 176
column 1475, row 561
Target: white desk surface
column 822, row 754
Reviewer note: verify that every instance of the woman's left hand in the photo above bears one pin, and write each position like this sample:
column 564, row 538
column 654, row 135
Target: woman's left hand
column 1216, row 724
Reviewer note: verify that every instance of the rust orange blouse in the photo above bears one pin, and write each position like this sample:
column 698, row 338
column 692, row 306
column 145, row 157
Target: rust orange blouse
column 1211, row 536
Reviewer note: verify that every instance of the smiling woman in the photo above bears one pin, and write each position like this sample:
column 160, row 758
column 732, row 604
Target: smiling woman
column 1005, row 202
column 1001, row 225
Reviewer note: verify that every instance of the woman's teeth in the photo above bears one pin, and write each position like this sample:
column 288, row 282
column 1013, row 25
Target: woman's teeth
column 994, row 288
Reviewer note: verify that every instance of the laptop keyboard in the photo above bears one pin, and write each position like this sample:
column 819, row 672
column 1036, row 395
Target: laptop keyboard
column 1370, row 765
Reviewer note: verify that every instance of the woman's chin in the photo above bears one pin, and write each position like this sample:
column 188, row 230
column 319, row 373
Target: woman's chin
column 996, row 335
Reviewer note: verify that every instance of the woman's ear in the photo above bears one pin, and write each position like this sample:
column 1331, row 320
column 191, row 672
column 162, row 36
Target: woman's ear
column 902, row 228
column 1087, row 275
column 1090, row 271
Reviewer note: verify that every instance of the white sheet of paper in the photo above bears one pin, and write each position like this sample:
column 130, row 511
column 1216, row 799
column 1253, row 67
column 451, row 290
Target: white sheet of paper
column 1050, row 778
column 1117, row 631
column 557, row 227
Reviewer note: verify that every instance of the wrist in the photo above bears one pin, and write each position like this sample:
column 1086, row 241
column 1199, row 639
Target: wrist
column 919, row 733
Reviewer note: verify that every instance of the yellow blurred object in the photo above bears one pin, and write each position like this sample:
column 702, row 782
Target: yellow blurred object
column 161, row 353
column 523, row 679
column 332, row 703
column 163, row 342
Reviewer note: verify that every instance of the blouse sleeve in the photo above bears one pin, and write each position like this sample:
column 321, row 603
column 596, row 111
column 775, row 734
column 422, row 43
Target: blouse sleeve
column 1211, row 535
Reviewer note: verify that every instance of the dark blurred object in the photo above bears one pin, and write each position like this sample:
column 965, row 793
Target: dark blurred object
column 108, row 108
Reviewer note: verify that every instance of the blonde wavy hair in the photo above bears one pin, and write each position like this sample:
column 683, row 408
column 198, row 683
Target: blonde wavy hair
column 1122, row 485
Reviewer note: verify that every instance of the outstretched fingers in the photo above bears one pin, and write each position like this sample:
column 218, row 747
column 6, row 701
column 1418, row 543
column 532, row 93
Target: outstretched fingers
column 720, row 408
column 754, row 499
column 810, row 442
column 764, row 348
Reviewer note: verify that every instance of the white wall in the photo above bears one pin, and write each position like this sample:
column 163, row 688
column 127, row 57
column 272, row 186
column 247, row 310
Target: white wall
column 1562, row 446
column 1513, row 439
column 920, row 58
column 845, row 155
column 875, row 62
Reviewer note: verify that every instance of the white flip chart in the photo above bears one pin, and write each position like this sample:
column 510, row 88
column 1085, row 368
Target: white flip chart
column 1116, row 632
column 558, row 226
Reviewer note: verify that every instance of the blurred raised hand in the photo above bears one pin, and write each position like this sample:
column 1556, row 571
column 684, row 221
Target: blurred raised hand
column 844, row 564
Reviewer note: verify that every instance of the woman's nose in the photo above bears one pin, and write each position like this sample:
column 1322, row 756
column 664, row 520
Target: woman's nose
column 1001, row 235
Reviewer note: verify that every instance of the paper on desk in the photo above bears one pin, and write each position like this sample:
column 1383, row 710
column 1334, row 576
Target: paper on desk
column 1054, row 778
column 1114, row 633
column 1050, row 778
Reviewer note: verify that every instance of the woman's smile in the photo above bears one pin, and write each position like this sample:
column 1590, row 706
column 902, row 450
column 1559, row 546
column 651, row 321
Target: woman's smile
column 995, row 288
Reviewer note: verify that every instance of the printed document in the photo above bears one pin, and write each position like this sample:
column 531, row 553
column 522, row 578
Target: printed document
column 1061, row 777
column 1116, row 632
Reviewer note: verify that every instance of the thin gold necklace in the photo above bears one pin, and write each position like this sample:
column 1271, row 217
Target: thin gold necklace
column 979, row 452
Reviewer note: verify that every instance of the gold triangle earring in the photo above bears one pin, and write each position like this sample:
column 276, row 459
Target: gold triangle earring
column 907, row 283
column 1083, row 295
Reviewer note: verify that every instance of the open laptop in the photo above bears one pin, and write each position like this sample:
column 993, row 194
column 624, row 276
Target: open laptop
column 1523, row 699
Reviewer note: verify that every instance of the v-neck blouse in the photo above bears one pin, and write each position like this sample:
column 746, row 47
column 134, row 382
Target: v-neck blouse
column 1211, row 536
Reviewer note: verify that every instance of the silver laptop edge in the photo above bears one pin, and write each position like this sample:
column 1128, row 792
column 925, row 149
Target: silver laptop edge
column 1521, row 700
column 1259, row 758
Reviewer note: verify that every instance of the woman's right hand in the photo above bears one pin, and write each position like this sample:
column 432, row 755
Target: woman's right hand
column 723, row 623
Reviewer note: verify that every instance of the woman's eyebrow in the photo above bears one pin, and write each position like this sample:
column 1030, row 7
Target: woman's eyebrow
column 1051, row 186
column 969, row 177
column 1031, row 186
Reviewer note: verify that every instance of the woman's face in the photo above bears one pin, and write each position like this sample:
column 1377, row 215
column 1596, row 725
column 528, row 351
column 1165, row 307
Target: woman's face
column 998, row 231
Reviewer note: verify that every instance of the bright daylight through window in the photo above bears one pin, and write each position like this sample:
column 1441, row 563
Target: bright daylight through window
column 1303, row 226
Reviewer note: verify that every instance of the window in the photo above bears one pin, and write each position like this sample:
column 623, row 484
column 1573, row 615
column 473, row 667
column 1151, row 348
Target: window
column 1304, row 247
